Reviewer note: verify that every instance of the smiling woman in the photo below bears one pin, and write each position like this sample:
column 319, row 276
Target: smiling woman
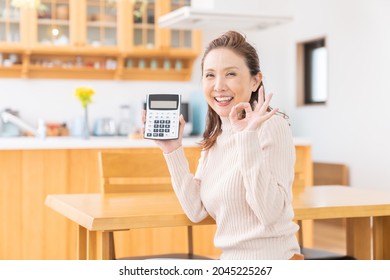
column 245, row 174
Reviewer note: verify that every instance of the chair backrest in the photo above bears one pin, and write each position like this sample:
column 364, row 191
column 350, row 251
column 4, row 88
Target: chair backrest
column 330, row 174
column 141, row 169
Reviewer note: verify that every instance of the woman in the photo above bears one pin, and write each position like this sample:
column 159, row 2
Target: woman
column 246, row 170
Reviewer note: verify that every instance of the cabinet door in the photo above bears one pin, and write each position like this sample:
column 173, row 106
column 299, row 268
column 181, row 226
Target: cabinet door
column 51, row 23
column 144, row 27
column 12, row 39
column 101, row 23
column 10, row 30
column 180, row 38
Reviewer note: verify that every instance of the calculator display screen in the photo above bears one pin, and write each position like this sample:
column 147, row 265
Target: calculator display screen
column 163, row 104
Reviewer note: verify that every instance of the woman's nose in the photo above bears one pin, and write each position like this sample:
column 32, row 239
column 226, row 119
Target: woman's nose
column 219, row 84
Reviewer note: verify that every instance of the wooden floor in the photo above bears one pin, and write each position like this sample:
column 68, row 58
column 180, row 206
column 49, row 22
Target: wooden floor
column 330, row 235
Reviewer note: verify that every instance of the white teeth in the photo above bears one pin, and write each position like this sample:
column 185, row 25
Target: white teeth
column 223, row 99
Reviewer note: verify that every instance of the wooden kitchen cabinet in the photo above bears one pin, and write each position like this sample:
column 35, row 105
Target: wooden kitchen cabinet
column 30, row 230
column 95, row 39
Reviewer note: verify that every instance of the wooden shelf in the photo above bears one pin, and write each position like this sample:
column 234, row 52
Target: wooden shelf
column 156, row 74
column 92, row 63
column 11, row 71
column 89, row 31
column 40, row 72
column 53, row 22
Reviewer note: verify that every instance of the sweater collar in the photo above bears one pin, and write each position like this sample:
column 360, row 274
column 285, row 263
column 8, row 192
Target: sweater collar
column 226, row 124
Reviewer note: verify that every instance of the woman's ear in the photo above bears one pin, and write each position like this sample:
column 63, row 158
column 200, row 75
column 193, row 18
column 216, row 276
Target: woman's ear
column 256, row 81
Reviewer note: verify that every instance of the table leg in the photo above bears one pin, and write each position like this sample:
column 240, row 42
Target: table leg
column 103, row 246
column 381, row 235
column 359, row 238
column 98, row 245
column 81, row 243
column 386, row 238
column 305, row 234
column 91, row 250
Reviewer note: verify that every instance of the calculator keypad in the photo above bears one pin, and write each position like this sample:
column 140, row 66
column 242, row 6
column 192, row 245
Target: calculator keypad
column 162, row 125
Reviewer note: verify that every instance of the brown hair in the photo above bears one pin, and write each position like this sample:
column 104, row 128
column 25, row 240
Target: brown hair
column 237, row 43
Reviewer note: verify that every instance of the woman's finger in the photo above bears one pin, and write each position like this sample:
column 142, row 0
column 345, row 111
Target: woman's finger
column 265, row 105
column 260, row 97
column 242, row 106
column 270, row 114
column 233, row 114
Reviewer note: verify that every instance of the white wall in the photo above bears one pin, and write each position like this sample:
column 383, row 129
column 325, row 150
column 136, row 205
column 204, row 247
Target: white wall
column 54, row 100
column 354, row 127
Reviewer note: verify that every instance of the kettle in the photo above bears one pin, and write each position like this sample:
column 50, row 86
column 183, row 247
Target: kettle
column 104, row 127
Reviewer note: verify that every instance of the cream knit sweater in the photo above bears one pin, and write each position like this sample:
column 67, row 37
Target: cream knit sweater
column 245, row 183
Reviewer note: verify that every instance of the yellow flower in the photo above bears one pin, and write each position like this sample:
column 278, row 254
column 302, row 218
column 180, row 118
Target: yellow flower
column 84, row 94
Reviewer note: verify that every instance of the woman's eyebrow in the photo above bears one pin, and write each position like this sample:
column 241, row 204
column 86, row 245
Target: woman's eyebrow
column 226, row 68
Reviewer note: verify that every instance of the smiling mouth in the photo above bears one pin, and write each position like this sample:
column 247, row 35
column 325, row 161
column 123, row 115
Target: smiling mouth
column 223, row 99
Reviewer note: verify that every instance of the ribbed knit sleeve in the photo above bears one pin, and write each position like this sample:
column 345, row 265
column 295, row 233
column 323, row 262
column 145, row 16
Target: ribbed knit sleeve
column 267, row 159
column 186, row 187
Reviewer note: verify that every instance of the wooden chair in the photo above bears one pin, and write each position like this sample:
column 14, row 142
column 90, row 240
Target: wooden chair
column 141, row 169
column 327, row 174
column 330, row 174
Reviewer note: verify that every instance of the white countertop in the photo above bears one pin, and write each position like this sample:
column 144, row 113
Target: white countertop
column 31, row 143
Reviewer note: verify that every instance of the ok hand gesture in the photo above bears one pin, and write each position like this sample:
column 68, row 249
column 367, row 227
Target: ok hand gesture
column 253, row 118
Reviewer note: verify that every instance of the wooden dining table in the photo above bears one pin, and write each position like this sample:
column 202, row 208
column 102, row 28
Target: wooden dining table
column 367, row 213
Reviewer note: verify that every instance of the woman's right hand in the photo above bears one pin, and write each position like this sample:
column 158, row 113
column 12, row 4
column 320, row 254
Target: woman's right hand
column 168, row 146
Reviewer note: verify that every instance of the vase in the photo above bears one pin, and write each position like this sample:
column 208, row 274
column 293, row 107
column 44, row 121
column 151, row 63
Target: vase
column 85, row 130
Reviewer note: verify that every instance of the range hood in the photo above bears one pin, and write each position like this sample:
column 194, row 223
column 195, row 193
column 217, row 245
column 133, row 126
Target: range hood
column 211, row 16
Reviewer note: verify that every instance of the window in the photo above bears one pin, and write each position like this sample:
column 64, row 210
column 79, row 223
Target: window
column 312, row 72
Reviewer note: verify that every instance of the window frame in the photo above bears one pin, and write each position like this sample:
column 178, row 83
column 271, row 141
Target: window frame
column 305, row 71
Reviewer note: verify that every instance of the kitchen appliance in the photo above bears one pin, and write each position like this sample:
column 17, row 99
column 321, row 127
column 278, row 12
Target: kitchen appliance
column 126, row 124
column 198, row 112
column 223, row 15
column 104, row 127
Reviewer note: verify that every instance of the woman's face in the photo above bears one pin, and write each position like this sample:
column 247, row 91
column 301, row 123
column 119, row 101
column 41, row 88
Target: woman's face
column 226, row 80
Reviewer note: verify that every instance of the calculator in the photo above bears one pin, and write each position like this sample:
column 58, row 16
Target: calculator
column 162, row 116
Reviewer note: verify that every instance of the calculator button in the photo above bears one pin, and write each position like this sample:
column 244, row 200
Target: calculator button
column 161, row 134
column 155, row 134
column 149, row 134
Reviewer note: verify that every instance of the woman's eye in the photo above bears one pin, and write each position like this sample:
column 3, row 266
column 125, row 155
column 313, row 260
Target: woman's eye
column 231, row 74
column 208, row 75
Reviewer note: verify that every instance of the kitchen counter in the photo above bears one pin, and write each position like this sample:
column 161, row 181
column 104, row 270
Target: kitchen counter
column 31, row 143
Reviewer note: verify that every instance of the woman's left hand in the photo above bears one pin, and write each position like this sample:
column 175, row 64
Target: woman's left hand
column 253, row 118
